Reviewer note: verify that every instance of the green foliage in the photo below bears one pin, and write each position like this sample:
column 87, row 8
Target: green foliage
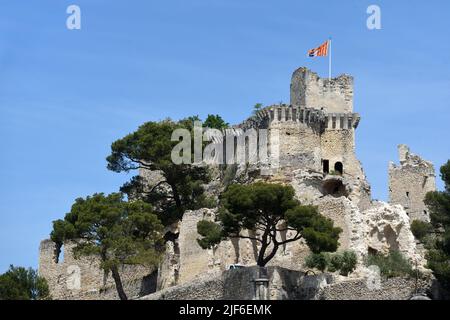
column 318, row 231
column 438, row 261
column 438, row 256
column 150, row 148
column 265, row 209
column 319, row 261
column 119, row 232
column 344, row 262
column 215, row 122
column 19, row 283
column 421, row 229
column 212, row 233
column 392, row 265
column 257, row 107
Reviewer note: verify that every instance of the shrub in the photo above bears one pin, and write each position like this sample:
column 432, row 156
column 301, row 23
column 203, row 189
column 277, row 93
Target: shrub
column 348, row 262
column 392, row 265
column 319, row 261
column 336, row 262
column 420, row 229
column 344, row 262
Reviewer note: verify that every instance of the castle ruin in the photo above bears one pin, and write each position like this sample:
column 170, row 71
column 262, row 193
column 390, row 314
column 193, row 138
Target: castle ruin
column 410, row 182
column 315, row 147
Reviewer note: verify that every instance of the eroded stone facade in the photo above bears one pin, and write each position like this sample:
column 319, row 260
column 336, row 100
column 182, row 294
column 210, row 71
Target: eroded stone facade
column 83, row 279
column 409, row 182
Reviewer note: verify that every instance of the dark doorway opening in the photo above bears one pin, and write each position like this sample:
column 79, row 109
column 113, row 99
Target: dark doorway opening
column 326, row 166
column 339, row 168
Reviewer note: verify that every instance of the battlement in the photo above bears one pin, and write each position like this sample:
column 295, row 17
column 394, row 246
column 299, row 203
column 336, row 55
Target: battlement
column 332, row 96
column 317, row 119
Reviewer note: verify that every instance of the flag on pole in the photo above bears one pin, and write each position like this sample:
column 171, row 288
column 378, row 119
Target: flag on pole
column 321, row 51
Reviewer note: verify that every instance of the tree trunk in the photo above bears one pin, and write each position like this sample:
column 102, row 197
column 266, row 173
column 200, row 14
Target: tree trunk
column 176, row 196
column 262, row 261
column 264, row 245
column 270, row 256
column 118, row 281
column 261, row 254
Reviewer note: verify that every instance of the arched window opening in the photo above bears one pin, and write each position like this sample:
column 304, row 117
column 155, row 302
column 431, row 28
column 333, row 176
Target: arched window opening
column 339, row 168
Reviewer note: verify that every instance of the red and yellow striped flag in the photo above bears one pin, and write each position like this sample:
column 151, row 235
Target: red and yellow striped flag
column 321, row 51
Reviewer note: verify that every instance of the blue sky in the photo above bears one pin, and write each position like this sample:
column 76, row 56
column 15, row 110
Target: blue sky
column 66, row 95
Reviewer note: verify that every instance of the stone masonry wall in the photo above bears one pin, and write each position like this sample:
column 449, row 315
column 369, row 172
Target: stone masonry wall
column 409, row 182
column 390, row 289
column 196, row 262
column 308, row 89
column 275, row 283
column 239, row 284
column 83, row 279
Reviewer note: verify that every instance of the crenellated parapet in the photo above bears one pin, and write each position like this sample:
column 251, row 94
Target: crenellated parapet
column 314, row 118
column 342, row 121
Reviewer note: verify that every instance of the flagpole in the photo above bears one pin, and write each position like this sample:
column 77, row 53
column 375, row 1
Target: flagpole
column 329, row 60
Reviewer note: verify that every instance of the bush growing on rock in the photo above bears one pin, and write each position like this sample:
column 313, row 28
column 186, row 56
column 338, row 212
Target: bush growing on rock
column 342, row 262
column 420, row 229
column 392, row 265
column 319, row 261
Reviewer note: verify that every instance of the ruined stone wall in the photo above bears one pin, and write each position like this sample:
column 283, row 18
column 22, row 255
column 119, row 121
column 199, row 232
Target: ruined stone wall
column 83, row 279
column 390, row 289
column 409, row 182
column 337, row 210
column 299, row 146
column 275, row 283
column 308, row 89
column 239, row 284
column 193, row 262
column 387, row 228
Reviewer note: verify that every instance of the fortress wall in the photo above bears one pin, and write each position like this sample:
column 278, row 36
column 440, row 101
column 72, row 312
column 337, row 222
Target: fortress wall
column 336, row 210
column 82, row 278
column 299, row 145
column 68, row 278
column 389, row 289
column 196, row 263
column 238, row 284
column 339, row 146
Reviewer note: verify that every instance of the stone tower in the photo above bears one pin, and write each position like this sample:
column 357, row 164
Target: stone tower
column 334, row 99
column 409, row 182
column 316, row 133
